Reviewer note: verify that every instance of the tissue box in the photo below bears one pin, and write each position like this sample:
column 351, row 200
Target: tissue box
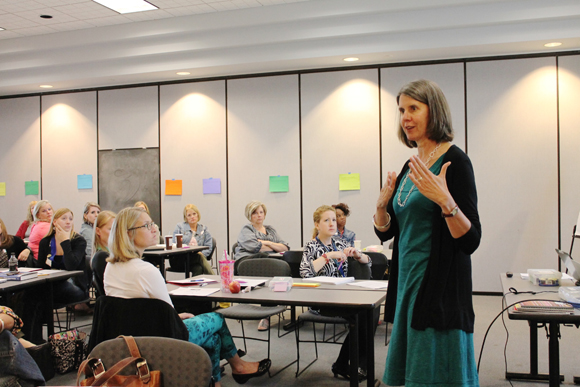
column 544, row 277
column 281, row 284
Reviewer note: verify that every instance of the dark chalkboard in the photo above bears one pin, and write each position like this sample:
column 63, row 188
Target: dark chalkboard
column 127, row 176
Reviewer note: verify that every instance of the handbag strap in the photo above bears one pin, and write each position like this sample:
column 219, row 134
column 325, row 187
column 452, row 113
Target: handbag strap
column 118, row 368
column 133, row 348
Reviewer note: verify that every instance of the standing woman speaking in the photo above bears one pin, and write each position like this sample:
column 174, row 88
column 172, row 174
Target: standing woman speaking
column 431, row 211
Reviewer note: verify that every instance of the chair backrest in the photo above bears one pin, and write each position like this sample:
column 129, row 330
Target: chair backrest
column 181, row 363
column 293, row 258
column 264, row 267
column 214, row 249
column 98, row 264
column 359, row 271
column 380, row 264
column 233, row 251
column 115, row 316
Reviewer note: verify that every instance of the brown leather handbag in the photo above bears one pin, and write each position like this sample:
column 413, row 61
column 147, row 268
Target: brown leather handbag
column 96, row 375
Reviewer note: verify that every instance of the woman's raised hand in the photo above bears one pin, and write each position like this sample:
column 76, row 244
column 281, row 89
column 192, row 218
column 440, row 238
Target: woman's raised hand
column 387, row 190
column 433, row 187
column 339, row 256
column 61, row 234
column 352, row 252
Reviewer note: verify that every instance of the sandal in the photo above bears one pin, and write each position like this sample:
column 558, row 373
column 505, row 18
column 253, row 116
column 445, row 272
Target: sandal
column 263, row 325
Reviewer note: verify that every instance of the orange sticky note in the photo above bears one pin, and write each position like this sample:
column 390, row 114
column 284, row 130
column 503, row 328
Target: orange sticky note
column 173, row 187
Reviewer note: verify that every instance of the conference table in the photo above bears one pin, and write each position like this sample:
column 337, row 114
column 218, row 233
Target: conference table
column 524, row 290
column 350, row 298
column 46, row 281
column 158, row 256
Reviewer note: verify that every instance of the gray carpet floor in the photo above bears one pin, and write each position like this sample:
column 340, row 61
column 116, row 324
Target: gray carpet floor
column 492, row 369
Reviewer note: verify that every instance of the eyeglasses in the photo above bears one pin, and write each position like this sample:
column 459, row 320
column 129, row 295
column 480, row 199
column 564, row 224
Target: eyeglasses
column 148, row 226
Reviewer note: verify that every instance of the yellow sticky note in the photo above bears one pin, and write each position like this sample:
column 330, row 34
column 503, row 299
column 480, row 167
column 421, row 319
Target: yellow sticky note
column 349, row 182
column 173, row 187
column 2, row 189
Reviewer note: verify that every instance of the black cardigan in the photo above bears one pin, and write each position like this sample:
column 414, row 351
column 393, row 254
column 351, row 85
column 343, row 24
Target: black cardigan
column 444, row 300
column 17, row 247
column 73, row 258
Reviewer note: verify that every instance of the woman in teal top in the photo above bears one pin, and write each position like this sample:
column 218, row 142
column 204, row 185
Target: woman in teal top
column 431, row 211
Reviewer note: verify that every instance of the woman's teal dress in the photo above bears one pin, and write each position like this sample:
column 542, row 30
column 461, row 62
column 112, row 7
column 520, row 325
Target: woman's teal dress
column 430, row 357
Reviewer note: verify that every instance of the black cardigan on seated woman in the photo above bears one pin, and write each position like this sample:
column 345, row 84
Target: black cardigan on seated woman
column 73, row 257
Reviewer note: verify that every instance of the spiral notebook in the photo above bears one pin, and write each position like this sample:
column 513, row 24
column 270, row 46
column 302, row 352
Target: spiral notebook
column 544, row 307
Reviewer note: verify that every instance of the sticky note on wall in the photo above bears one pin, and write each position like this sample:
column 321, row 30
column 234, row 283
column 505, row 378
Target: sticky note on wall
column 173, row 187
column 31, row 187
column 2, row 189
column 279, row 184
column 212, row 186
column 84, row 181
column 349, row 182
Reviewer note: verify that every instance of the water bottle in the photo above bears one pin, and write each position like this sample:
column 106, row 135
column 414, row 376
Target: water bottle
column 13, row 263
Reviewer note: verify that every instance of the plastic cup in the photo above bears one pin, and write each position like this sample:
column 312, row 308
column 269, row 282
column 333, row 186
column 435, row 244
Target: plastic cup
column 168, row 242
column 357, row 244
column 179, row 239
column 226, row 275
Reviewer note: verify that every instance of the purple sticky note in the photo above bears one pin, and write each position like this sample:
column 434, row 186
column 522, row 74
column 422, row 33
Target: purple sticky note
column 212, row 186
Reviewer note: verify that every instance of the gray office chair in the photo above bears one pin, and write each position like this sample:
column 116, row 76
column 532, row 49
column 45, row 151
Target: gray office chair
column 215, row 265
column 356, row 270
column 181, row 363
column 258, row 267
column 293, row 258
column 379, row 266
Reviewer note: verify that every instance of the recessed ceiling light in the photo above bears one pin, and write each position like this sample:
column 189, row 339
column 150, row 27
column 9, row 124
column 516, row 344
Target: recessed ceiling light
column 183, row 73
column 127, row 6
column 46, row 16
column 46, row 86
column 352, row 59
column 1, row 29
column 553, row 44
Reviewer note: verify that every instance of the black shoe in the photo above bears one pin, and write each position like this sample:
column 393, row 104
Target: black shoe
column 345, row 373
column 263, row 367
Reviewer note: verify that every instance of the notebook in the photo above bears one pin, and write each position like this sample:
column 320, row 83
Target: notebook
column 544, row 307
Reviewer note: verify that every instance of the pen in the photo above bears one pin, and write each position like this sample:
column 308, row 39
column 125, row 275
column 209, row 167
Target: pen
column 196, row 280
column 203, row 284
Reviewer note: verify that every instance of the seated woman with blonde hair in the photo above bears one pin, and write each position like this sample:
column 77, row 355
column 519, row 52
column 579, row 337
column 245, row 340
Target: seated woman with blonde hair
column 128, row 276
column 24, row 229
column 90, row 213
column 103, row 225
column 194, row 234
column 12, row 244
column 42, row 213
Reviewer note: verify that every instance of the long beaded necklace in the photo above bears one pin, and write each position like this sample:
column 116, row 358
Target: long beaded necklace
column 407, row 176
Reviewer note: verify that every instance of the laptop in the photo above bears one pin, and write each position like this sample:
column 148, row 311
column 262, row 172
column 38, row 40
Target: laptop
column 572, row 265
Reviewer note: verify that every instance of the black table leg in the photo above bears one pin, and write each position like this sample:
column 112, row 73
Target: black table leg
column 49, row 309
column 187, row 265
column 290, row 326
column 353, row 333
column 370, row 346
column 554, row 354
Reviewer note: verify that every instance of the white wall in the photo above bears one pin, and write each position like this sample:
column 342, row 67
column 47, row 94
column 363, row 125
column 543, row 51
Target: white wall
column 193, row 148
column 512, row 142
column 263, row 141
column 69, row 149
column 19, row 157
column 569, row 89
column 328, row 123
column 128, row 118
column 340, row 134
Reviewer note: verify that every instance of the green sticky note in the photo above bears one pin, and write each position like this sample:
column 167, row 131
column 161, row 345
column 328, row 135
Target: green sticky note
column 279, row 184
column 31, row 187
column 349, row 182
column 2, row 189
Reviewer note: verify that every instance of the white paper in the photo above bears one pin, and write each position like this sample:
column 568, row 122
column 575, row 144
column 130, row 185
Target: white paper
column 329, row 280
column 250, row 282
column 23, row 269
column 371, row 284
column 193, row 281
column 194, row 291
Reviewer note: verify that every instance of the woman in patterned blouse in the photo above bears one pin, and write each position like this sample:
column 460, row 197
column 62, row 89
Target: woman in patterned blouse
column 327, row 255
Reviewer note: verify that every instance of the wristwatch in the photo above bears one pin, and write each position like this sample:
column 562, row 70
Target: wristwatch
column 451, row 214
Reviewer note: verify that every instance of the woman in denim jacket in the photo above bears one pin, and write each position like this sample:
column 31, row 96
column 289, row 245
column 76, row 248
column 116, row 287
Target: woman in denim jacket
column 194, row 234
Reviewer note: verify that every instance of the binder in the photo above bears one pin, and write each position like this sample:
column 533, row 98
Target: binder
column 544, row 307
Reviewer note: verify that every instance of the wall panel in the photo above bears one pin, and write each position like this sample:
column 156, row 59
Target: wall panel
column 512, row 142
column 128, row 118
column 19, row 156
column 263, row 141
column 569, row 82
column 193, row 148
column 340, row 134
column 69, row 149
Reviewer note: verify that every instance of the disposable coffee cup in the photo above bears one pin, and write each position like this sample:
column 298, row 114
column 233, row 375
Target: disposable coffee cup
column 168, row 242
column 357, row 244
column 179, row 239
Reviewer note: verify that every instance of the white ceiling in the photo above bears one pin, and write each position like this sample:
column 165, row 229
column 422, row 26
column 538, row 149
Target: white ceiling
column 87, row 45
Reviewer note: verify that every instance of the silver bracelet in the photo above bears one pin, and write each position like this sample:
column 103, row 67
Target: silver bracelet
column 386, row 225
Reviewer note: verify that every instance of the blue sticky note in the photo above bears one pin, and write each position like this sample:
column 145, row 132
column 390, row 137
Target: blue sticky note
column 212, row 186
column 84, row 181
